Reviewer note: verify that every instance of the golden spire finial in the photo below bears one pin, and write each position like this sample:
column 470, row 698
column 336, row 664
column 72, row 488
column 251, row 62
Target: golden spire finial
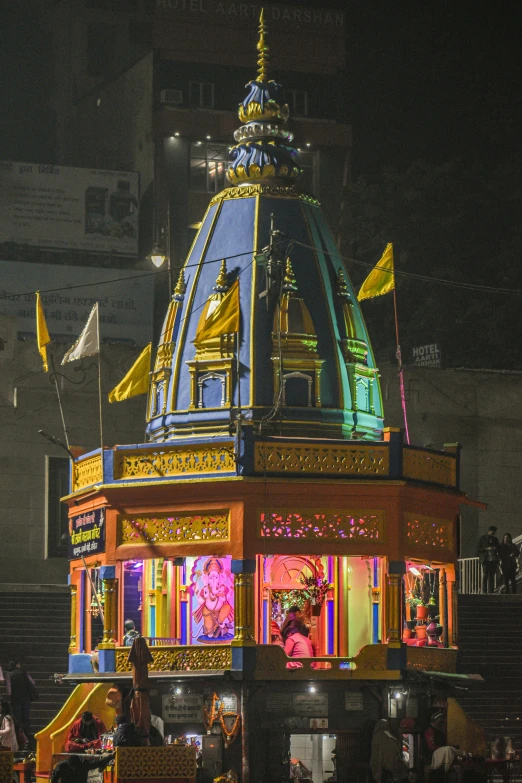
column 289, row 281
column 181, row 285
column 221, row 282
column 263, row 49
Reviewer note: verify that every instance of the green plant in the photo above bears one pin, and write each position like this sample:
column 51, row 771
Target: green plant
column 315, row 589
column 413, row 600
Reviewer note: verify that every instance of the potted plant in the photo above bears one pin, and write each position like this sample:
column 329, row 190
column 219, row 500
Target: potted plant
column 315, row 590
column 416, row 603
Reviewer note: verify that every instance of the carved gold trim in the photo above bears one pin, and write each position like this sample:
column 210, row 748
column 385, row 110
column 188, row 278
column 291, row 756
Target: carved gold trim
column 87, row 472
column 178, row 461
column 176, row 658
column 349, row 460
column 188, row 527
column 429, row 466
column 274, row 191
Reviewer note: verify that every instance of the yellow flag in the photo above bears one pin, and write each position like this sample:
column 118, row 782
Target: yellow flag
column 137, row 379
column 42, row 335
column 381, row 279
column 224, row 319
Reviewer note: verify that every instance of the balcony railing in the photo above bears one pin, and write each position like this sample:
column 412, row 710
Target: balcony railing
column 272, row 664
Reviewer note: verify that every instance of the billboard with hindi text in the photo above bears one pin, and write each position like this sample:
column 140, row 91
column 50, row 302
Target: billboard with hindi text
column 64, row 208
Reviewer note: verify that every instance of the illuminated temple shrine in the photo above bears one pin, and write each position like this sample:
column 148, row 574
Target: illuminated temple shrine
column 267, row 481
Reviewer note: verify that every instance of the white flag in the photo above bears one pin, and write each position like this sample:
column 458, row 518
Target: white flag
column 88, row 343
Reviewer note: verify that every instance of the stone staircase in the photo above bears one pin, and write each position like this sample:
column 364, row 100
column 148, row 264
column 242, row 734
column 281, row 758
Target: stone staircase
column 490, row 644
column 35, row 630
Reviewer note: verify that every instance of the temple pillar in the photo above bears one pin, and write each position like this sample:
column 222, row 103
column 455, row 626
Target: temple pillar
column 107, row 657
column 244, row 603
column 451, row 594
column 74, row 616
column 396, row 570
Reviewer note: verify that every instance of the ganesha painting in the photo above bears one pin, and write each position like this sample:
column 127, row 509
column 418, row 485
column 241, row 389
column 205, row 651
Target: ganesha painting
column 212, row 600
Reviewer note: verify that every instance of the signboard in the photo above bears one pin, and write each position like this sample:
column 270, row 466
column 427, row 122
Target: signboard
column 427, row 355
column 126, row 300
column 311, row 704
column 87, row 534
column 353, row 700
column 183, row 709
column 64, row 208
column 233, row 11
column 229, row 702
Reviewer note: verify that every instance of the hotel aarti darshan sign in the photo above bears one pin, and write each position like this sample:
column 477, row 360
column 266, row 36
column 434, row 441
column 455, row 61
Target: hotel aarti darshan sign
column 225, row 9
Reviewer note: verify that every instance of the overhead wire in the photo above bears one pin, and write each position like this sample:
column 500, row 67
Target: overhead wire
column 414, row 275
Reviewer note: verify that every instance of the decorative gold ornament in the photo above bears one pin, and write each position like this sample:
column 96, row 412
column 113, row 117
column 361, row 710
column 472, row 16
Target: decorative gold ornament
column 86, row 472
column 263, row 49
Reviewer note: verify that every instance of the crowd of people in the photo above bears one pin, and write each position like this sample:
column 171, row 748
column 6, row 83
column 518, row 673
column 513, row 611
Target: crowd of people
column 15, row 708
column 494, row 555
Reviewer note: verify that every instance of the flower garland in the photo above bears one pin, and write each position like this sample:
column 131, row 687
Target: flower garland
column 209, row 718
column 229, row 735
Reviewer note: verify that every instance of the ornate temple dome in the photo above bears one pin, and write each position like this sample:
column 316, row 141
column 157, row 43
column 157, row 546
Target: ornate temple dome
column 275, row 336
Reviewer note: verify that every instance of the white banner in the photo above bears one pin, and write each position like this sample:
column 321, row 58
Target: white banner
column 126, row 305
column 63, row 208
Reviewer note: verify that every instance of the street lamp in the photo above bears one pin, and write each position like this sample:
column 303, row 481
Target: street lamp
column 161, row 249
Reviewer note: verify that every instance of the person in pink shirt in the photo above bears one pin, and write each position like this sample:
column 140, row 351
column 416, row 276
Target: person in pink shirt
column 297, row 643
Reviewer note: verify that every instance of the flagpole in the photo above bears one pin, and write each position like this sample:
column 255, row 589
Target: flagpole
column 55, row 379
column 401, row 369
column 100, row 390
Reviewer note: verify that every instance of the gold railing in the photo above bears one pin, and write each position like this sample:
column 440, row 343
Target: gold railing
column 87, row 472
column 342, row 459
column 432, row 659
column 174, row 461
column 423, row 465
column 177, row 658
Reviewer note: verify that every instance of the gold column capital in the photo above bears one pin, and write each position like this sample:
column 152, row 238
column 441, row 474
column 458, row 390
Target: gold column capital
column 244, row 610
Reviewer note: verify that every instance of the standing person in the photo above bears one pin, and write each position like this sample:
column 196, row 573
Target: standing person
column 509, row 554
column 386, row 764
column 130, row 633
column 488, row 546
column 7, row 727
column 23, row 692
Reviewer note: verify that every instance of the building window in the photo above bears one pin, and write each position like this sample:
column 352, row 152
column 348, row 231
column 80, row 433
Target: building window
column 201, row 94
column 297, row 101
column 208, row 165
column 57, row 519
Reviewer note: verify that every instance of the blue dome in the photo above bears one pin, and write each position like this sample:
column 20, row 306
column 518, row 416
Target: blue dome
column 313, row 375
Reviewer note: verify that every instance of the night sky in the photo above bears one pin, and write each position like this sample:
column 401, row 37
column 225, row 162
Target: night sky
column 435, row 100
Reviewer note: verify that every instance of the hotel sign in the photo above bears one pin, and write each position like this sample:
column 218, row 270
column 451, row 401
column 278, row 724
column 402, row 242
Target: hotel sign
column 427, row 355
column 231, row 11
column 87, row 534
